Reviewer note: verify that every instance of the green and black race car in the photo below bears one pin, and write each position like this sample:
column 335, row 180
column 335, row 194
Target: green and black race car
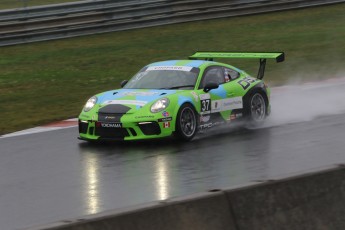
column 179, row 97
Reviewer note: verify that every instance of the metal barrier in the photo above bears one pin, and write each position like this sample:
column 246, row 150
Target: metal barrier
column 93, row 17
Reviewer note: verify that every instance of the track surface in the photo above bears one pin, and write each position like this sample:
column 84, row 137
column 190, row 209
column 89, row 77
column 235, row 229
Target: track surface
column 51, row 176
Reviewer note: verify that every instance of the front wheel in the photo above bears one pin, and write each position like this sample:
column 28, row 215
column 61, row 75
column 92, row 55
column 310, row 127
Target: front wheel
column 186, row 123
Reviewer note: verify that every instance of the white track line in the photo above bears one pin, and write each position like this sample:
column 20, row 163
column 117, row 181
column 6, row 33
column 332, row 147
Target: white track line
column 53, row 126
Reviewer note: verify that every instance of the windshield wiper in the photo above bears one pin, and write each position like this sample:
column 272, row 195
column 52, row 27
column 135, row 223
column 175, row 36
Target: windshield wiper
column 180, row 86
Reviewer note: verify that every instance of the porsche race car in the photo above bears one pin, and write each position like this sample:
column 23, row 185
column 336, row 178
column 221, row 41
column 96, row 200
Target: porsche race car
column 180, row 98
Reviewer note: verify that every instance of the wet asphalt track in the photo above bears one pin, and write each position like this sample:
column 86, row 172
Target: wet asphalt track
column 52, row 176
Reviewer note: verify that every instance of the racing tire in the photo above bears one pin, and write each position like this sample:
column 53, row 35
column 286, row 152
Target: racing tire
column 256, row 109
column 186, row 123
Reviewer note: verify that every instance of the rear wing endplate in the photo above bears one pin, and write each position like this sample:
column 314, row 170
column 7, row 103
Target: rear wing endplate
column 209, row 56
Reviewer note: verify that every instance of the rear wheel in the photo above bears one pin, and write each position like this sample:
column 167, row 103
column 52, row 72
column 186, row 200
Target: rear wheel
column 256, row 109
column 186, row 123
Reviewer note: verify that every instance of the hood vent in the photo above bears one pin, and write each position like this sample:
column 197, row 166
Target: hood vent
column 115, row 93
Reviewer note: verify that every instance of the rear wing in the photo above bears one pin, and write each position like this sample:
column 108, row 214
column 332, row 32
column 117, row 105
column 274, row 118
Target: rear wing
column 209, row 56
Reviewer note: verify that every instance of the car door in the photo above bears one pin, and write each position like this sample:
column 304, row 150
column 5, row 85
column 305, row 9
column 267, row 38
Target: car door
column 211, row 101
column 212, row 74
column 224, row 103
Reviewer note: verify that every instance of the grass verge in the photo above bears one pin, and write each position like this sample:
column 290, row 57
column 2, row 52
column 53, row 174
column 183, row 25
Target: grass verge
column 48, row 81
column 12, row 4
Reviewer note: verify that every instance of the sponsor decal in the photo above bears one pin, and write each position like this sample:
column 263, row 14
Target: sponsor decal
column 141, row 117
column 205, row 96
column 110, row 117
column 216, row 106
column 125, row 102
column 210, row 125
column 226, row 104
column 232, row 103
column 165, row 114
column 109, row 125
column 234, row 116
column 166, row 125
column 179, row 68
column 206, row 126
column 165, row 119
column 140, row 93
column 204, row 118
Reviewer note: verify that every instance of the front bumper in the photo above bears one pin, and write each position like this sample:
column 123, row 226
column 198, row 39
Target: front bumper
column 96, row 130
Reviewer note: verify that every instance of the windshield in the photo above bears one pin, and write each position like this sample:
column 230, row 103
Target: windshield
column 164, row 77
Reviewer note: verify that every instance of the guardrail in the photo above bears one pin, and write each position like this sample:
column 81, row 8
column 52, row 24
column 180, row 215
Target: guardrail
column 93, row 17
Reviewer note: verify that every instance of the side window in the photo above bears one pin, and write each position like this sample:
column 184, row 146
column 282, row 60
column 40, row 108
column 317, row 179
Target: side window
column 213, row 74
column 230, row 74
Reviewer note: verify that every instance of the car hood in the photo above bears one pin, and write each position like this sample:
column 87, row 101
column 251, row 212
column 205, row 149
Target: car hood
column 131, row 98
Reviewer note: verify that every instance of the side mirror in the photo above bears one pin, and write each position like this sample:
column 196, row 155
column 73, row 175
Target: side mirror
column 123, row 83
column 211, row 85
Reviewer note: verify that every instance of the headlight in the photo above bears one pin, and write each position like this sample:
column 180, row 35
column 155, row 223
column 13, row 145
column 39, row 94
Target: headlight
column 160, row 105
column 90, row 104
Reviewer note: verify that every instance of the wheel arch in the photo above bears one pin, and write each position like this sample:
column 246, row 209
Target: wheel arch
column 187, row 102
column 177, row 131
column 258, row 88
column 182, row 100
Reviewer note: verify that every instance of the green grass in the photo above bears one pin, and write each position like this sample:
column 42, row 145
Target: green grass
column 11, row 4
column 49, row 81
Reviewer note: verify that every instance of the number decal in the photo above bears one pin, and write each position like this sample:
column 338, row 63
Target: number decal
column 245, row 82
column 205, row 105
